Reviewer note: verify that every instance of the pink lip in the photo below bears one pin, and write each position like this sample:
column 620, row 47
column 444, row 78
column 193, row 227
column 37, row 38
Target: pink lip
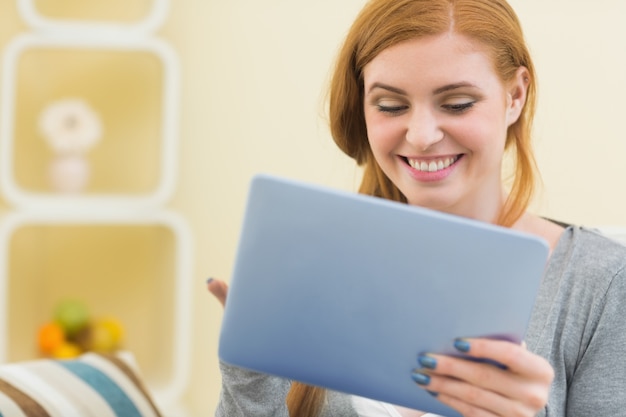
column 431, row 176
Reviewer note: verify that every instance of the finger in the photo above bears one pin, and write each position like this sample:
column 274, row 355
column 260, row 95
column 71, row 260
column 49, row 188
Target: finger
column 524, row 381
column 467, row 409
column 470, row 399
column 462, row 378
column 219, row 289
column 515, row 357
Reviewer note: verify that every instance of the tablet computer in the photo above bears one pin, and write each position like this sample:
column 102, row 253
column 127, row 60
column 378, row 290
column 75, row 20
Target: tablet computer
column 344, row 291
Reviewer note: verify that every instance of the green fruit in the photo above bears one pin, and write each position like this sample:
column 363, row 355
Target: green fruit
column 72, row 315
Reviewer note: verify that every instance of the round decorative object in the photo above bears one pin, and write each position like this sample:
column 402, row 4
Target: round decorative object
column 70, row 126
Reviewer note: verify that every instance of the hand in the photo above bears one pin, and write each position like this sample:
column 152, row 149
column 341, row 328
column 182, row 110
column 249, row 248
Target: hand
column 519, row 388
column 219, row 289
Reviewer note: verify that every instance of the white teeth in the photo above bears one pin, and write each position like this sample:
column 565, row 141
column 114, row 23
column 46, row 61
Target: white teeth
column 432, row 166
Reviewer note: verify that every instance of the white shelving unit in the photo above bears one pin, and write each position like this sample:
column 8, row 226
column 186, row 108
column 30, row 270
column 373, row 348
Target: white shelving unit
column 18, row 194
column 115, row 246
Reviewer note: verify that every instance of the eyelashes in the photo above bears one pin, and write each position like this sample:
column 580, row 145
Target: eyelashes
column 460, row 107
column 457, row 108
column 391, row 109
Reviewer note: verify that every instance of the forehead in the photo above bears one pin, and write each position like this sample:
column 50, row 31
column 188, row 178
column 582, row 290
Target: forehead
column 436, row 58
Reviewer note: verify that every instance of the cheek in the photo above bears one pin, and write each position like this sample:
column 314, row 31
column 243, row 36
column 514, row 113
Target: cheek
column 481, row 133
column 384, row 134
column 472, row 136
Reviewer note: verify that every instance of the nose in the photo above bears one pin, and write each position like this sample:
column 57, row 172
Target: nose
column 423, row 130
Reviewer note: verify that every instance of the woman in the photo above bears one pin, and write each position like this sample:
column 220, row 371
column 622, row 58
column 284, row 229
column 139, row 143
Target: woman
column 430, row 96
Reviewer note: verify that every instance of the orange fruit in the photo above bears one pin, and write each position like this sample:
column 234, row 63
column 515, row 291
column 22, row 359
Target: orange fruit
column 50, row 337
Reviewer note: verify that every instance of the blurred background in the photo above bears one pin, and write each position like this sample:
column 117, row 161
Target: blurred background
column 193, row 106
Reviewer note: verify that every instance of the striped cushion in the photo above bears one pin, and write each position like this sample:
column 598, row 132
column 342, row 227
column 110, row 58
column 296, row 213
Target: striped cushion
column 92, row 385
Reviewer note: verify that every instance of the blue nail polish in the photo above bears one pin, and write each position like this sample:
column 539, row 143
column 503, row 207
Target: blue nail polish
column 209, row 280
column 421, row 379
column 462, row 345
column 427, row 361
column 434, row 394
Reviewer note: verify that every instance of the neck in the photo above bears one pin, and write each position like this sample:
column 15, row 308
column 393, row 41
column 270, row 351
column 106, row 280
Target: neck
column 538, row 226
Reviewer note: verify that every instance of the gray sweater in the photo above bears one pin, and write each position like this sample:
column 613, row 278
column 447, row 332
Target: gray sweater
column 578, row 324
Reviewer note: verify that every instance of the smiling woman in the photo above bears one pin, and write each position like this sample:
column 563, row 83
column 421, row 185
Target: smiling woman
column 429, row 96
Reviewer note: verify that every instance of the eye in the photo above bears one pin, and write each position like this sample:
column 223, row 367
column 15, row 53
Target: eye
column 391, row 109
column 458, row 107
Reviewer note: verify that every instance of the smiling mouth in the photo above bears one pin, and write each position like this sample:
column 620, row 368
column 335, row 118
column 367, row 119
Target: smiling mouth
column 433, row 165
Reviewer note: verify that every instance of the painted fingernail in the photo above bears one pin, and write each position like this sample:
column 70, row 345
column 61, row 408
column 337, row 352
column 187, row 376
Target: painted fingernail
column 427, row 361
column 209, row 280
column 420, row 378
column 462, row 345
column 433, row 393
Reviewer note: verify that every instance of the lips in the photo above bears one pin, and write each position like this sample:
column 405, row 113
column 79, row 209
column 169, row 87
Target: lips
column 432, row 165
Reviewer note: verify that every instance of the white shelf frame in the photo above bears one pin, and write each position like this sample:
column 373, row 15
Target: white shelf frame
column 166, row 394
column 150, row 23
column 24, row 199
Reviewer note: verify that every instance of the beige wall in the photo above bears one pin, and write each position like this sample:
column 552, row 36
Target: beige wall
column 253, row 80
column 580, row 50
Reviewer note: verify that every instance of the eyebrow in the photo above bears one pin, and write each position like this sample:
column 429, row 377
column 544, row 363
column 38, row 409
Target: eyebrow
column 462, row 84
column 440, row 90
column 386, row 87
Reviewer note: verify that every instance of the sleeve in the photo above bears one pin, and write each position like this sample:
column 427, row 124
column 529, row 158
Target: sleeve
column 250, row 394
column 597, row 386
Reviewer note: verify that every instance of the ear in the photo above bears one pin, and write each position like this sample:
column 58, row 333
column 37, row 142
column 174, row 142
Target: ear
column 516, row 94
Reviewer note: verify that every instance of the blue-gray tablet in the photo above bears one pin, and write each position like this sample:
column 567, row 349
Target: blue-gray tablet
column 344, row 291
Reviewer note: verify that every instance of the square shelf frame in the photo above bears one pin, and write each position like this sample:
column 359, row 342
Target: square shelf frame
column 22, row 198
column 166, row 393
column 149, row 23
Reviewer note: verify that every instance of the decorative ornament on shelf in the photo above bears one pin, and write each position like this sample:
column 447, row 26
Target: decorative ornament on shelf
column 69, row 173
column 72, row 331
column 71, row 128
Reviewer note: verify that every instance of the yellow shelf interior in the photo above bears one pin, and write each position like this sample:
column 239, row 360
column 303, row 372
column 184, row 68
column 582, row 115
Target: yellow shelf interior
column 117, row 10
column 125, row 88
column 125, row 271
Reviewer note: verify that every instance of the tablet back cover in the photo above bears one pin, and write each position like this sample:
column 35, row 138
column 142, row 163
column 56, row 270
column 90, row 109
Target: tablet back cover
column 344, row 291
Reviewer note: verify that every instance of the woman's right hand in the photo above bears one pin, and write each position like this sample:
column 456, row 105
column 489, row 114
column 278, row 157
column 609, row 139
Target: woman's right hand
column 219, row 289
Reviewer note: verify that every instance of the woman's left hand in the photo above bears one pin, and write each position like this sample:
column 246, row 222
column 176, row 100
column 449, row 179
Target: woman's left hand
column 518, row 388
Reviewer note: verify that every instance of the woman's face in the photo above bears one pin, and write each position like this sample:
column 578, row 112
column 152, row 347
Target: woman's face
column 437, row 116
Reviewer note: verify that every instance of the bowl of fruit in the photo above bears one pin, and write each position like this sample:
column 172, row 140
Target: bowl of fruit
column 73, row 331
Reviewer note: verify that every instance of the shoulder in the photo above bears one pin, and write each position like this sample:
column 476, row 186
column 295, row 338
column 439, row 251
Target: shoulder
column 592, row 249
column 582, row 330
column 584, row 286
column 589, row 261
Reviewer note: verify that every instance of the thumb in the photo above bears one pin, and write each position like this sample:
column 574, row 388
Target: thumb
column 219, row 289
